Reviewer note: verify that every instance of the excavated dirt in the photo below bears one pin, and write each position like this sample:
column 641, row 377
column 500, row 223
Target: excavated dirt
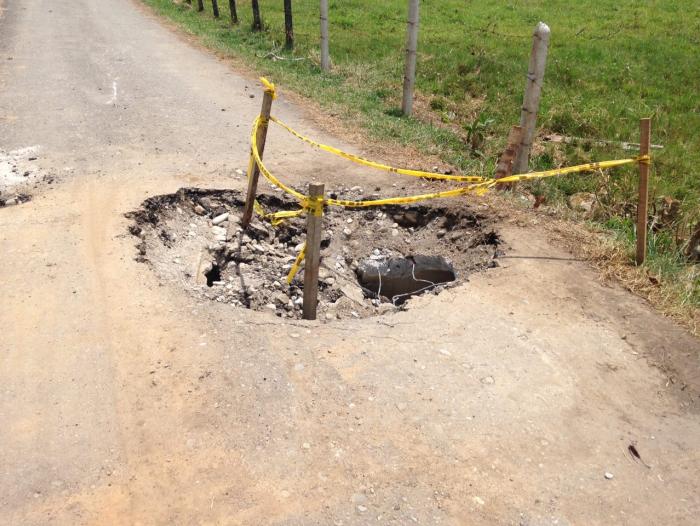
column 193, row 238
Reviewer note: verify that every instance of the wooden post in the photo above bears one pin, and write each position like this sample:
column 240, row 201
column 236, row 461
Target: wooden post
column 504, row 168
column 257, row 22
column 215, row 8
column 643, row 204
column 288, row 25
column 200, row 5
column 314, row 220
column 233, row 10
column 253, row 170
column 325, row 53
column 531, row 100
column 409, row 78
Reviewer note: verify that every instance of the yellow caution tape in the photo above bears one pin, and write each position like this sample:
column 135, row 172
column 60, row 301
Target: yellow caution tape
column 275, row 217
column 297, row 263
column 315, row 205
column 590, row 167
column 269, row 87
column 372, row 164
column 482, row 186
column 266, row 173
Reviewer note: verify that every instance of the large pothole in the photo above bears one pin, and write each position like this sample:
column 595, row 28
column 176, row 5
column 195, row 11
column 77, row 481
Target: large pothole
column 372, row 261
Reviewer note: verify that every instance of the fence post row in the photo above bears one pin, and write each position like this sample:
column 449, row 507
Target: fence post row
column 643, row 203
column 253, row 169
column 531, row 100
column 314, row 219
column 409, row 78
column 288, row 25
column 234, row 12
column 325, row 54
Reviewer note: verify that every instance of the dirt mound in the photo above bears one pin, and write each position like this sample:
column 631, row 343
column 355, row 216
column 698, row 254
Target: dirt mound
column 193, row 238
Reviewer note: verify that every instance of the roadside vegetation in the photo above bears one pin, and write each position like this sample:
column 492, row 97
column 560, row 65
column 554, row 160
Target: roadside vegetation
column 609, row 64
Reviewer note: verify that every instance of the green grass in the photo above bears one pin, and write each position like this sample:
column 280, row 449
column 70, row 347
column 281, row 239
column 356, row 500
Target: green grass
column 610, row 63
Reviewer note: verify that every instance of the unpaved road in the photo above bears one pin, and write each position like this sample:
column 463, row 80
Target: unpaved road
column 122, row 401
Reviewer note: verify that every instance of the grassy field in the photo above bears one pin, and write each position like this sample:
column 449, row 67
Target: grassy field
column 610, row 63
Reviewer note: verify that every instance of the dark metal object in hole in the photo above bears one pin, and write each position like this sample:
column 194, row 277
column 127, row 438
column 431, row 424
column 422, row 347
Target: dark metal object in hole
column 399, row 278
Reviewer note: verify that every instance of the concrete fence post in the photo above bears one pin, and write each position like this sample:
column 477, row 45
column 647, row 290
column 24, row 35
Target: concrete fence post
column 531, row 100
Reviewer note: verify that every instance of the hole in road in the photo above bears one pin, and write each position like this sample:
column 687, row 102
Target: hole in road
column 213, row 275
column 397, row 279
column 413, row 249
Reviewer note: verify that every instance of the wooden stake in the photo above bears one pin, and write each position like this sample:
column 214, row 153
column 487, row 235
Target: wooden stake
column 215, row 8
column 314, row 220
column 325, row 54
column 233, row 10
column 409, row 78
column 643, row 204
column 257, row 22
column 288, row 25
column 531, row 100
column 253, row 170
column 200, row 5
column 504, row 168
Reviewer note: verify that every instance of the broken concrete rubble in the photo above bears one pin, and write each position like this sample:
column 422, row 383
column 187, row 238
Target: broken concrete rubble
column 249, row 268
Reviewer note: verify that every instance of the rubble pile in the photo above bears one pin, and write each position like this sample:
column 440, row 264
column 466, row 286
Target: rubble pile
column 195, row 237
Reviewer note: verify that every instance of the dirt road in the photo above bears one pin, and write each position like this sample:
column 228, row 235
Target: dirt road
column 505, row 400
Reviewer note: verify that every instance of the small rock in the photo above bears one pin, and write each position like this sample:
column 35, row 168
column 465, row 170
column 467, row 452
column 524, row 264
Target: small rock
column 488, row 380
column 361, row 508
column 582, row 201
column 693, row 250
column 609, row 475
column 220, row 219
column 354, row 292
column 218, row 231
column 199, row 210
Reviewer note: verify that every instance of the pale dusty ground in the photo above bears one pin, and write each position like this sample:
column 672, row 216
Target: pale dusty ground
column 502, row 401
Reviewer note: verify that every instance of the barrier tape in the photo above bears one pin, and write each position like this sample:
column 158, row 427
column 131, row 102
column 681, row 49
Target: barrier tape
column 269, row 87
column 479, row 185
column 372, row 164
column 297, row 263
column 478, row 188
